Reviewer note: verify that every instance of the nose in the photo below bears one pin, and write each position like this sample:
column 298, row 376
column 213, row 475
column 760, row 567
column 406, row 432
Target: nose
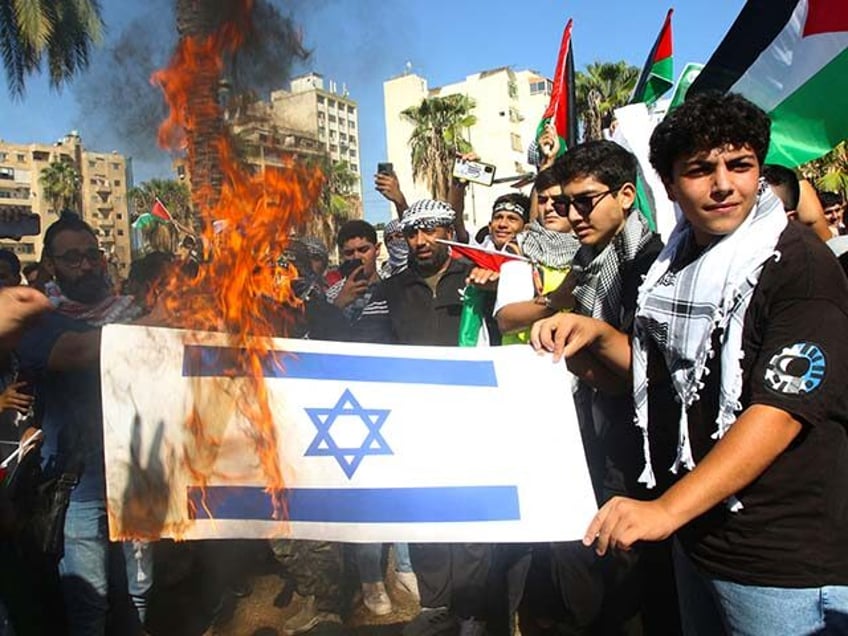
column 721, row 180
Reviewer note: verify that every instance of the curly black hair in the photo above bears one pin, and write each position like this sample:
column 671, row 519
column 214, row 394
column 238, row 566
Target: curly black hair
column 603, row 160
column 705, row 121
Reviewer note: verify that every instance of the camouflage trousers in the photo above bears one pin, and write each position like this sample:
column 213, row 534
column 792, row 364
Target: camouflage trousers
column 315, row 567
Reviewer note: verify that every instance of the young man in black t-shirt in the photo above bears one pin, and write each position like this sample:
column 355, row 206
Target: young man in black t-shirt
column 739, row 362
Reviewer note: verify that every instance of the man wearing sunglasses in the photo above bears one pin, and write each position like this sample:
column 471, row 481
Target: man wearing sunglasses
column 61, row 351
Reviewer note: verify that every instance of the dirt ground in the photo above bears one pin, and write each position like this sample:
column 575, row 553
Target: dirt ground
column 181, row 602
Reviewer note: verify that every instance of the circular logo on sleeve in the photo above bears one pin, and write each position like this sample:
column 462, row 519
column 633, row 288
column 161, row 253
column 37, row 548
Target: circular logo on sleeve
column 796, row 370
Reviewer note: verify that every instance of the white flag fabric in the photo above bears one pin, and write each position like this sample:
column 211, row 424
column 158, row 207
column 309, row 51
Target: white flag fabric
column 376, row 443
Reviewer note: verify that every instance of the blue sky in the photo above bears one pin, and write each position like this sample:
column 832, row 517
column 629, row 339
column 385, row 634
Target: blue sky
column 361, row 43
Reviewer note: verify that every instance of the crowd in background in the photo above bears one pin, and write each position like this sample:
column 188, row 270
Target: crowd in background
column 724, row 344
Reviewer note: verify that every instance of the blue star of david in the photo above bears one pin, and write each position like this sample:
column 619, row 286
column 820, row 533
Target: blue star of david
column 348, row 458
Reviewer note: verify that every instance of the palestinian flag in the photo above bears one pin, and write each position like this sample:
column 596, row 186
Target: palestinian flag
column 790, row 57
column 481, row 256
column 658, row 72
column 160, row 211
column 562, row 109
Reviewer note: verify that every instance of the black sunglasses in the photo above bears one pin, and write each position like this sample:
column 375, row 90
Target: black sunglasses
column 584, row 204
column 74, row 258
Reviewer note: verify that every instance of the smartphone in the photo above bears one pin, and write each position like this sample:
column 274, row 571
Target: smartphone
column 347, row 267
column 475, row 171
column 385, row 168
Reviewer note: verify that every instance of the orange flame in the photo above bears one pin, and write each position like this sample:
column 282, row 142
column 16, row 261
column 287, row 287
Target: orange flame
column 239, row 289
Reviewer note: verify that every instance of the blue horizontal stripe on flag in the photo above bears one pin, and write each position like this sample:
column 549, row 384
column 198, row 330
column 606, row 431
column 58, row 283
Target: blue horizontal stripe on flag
column 206, row 361
column 360, row 505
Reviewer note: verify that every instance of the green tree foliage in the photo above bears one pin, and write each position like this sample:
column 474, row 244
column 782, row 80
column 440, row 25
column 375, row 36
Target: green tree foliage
column 61, row 32
column 61, row 184
column 437, row 137
column 830, row 173
column 600, row 89
column 174, row 194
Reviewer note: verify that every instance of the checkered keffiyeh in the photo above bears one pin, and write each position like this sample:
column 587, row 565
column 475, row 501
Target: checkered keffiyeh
column 427, row 213
column 549, row 248
column 680, row 309
column 598, row 293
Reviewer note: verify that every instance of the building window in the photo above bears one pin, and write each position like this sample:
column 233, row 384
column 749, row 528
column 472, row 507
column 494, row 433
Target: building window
column 91, row 163
column 353, row 153
column 350, row 109
column 116, row 166
column 117, row 183
column 3, row 156
column 320, row 99
column 40, row 155
column 514, row 115
column 332, row 119
column 333, row 135
column 354, row 168
column 334, row 148
column 20, row 157
column 331, row 103
column 120, row 216
column 120, row 232
column 541, row 87
column 351, row 124
column 343, row 137
column 7, row 173
column 512, row 89
column 515, row 142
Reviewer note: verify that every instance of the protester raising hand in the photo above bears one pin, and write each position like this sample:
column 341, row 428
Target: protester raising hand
column 18, row 306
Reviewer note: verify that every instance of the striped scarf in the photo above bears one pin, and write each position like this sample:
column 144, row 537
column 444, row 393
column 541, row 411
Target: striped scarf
column 598, row 293
column 546, row 247
column 681, row 310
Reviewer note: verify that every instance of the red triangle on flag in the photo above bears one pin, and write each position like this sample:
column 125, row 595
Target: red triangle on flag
column 480, row 256
column 825, row 16
column 160, row 211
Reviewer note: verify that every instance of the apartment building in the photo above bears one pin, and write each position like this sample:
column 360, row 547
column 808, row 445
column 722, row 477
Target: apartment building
column 327, row 113
column 509, row 105
column 102, row 194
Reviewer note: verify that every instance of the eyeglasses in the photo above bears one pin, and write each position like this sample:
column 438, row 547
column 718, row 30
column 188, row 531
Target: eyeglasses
column 74, row 258
column 584, row 204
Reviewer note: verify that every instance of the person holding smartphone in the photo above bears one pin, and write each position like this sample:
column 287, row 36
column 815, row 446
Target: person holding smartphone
column 358, row 251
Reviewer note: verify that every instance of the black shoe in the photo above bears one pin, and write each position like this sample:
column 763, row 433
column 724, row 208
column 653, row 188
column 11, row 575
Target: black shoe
column 433, row 622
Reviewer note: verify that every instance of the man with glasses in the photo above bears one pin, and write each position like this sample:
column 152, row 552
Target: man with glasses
column 61, row 351
column 549, row 245
column 617, row 248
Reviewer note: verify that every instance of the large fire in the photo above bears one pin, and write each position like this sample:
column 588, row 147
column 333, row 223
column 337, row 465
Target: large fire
column 246, row 218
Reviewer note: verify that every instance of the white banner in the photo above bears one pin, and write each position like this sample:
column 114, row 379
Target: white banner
column 375, row 443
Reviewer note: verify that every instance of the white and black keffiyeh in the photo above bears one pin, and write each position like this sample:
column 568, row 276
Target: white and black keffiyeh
column 680, row 310
column 547, row 247
column 427, row 213
column 598, row 293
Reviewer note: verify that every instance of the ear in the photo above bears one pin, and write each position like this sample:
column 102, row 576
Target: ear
column 627, row 196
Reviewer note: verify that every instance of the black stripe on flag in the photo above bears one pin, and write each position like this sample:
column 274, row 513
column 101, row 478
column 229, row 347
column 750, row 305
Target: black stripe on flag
column 758, row 24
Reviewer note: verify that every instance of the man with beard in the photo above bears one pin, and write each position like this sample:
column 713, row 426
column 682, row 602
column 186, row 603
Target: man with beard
column 61, row 352
column 422, row 305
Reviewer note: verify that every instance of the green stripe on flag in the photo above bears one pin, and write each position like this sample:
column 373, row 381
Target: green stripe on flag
column 660, row 80
column 811, row 121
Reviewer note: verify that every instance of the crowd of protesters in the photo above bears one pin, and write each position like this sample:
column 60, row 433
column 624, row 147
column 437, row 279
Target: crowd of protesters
column 709, row 387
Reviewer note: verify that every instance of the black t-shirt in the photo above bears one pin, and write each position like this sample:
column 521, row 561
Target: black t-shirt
column 793, row 527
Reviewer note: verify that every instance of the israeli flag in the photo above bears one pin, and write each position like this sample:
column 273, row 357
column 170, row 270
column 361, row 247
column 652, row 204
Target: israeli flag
column 373, row 443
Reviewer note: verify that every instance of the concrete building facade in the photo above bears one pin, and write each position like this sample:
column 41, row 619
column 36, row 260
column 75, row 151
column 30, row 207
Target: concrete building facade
column 104, row 181
column 328, row 114
column 508, row 107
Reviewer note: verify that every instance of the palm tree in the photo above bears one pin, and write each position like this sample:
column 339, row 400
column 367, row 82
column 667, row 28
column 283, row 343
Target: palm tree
column 602, row 88
column 61, row 184
column 60, row 31
column 437, row 138
column 174, row 194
